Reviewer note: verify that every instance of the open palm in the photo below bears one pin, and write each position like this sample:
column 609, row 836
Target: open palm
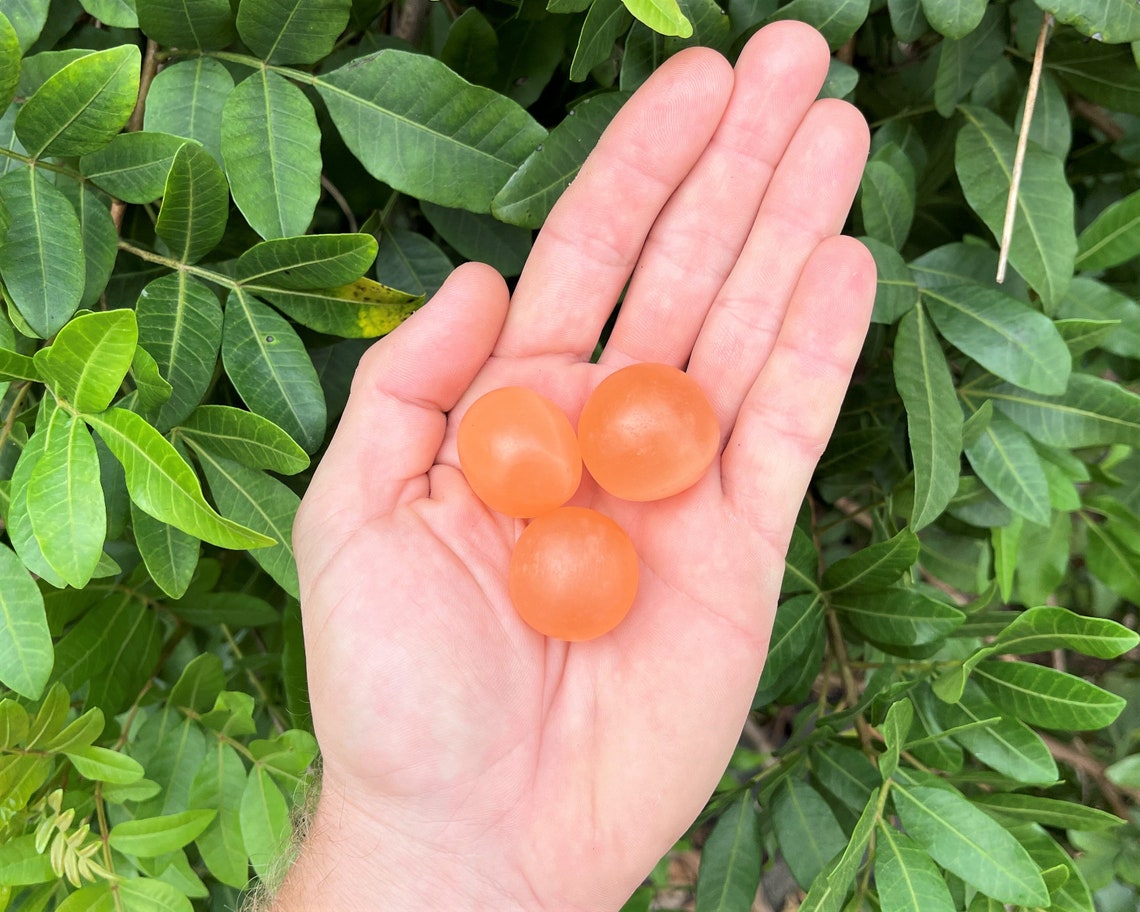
column 462, row 751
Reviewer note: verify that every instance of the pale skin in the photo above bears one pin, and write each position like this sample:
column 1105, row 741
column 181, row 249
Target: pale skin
column 469, row 762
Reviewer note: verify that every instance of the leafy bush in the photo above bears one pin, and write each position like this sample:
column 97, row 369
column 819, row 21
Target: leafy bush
column 204, row 216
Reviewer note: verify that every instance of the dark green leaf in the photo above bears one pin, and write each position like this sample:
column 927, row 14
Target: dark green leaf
column 89, row 359
column 954, row 18
column 296, row 31
column 25, row 644
column 962, row 62
column 806, row 830
column 245, row 437
column 133, row 166
column 887, row 202
column 1111, row 560
column 195, row 204
column 896, row 291
column 1004, row 458
column 908, row 881
column 270, row 369
column 303, row 263
column 198, row 686
column 1063, row 815
column 151, row 390
column 827, row 893
column 231, row 608
column 1113, row 237
column 89, row 645
column 471, row 48
column 115, row 13
column 875, row 567
column 606, row 21
column 410, row 261
column 1047, row 697
column 100, row 239
column 837, row 20
column 421, row 129
column 1107, row 75
column 899, row 617
column 730, row 860
column 1112, row 21
column 798, row 623
column 208, row 25
column 1100, row 305
column 846, row 773
column 186, row 99
column 907, row 19
column 481, row 237
column 9, row 61
column 271, row 148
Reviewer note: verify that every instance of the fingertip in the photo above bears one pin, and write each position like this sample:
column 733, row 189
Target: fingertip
column 791, row 40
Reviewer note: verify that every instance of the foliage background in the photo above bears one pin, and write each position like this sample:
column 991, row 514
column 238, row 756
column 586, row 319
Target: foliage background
column 204, row 218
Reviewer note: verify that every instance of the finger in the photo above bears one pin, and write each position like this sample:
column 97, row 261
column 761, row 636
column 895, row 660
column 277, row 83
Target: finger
column 693, row 245
column 790, row 410
column 395, row 418
column 585, row 252
column 808, row 200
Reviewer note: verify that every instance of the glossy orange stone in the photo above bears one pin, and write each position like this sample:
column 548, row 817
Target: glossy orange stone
column 573, row 574
column 518, row 452
column 648, row 431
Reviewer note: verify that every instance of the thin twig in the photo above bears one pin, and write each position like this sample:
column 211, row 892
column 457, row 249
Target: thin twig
column 1022, row 143
column 1077, row 756
column 332, row 190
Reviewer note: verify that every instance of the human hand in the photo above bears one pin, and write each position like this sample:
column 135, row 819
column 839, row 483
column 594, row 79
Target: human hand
column 468, row 761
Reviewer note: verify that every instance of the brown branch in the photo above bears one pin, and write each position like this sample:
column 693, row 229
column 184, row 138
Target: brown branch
column 1078, row 757
column 411, row 20
column 1099, row 118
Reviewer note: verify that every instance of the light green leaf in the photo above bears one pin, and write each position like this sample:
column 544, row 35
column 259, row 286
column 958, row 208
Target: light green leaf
column 207, row 25
column 151, row 390
column 1124, row 772
column 807, row 832
column 162, row 484
column 244, row 437
column 295, row 31
column 103, row 765
column 304, row 263
column 1110, row 21
column 663, row 16
column 359, row 310
column 730, row 860
column 261, row 503
column 875, row 567
column 89, row 899
column 954, row 18
column 186, row 99
column 1047, row 697
column 65, row 500
column 220, row 784
column 265, row 825
column 89, row 359
column 180, row 324
column 1002, row 334
column 19, row 524
column 606, row 21
column 962, row 62
column 153, row 836
column 271, row 145
column 14, row 721
column 1063, row 815
column 1044, row 242
column 1113, row 237
column 899, row 617
column 1049, row 627
column 21, row 864
column 969, row 843
column 83, row 106
column 886, row 202
column 9, row 61
column 25, row 645
column 422, row 130
column 837, row 20
column 148, row 894
column 41, row 261
column 17, row 367
column 132, row 166
column 174, row 748
column 908, row 881
column 27, row 18
column 410, row 261
column 269, row 367
column 934, row 419
column 170, row 555
column 115, row 13
column 195, row 204
column 894, row 730
column 1067, row 895
column 527, row 198
column 1006, row 461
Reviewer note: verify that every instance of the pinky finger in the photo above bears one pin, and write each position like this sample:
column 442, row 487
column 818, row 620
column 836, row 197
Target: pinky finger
column 788, row 415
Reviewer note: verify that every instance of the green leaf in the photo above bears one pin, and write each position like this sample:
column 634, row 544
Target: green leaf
column 827, row 893
column 271, row 145
column 1107, row 75
column 359, row 310
column 244, row 437
column 25, row 645
column 471, row 48
column 1110, row 560
column 798, row 622
column 83, row 106
column 270, row 369
column 422, row 130
column 806, row 830
column 663, row 16
column 207, row 25
column 232, row 608
column 527, row 198
column 65, row 500
column 410, row 261
column 969, row 843
column 1044, row 242
column 1002, row 334
column 89, row 359
column 115, row 13
column 296, row 31
column 147, row 894
column 100, row 239
column 875, row 567
column 17, row 367
column 9, row 61
column 22, row 864
column 1046, row 697
column 886, row 202
column 480, row 237
column 170, row 555
column 198, row 686
column 186, row 99
column 1113, row 237
column 730, row 860
column 1063, row 815
column 27, row 18
column 162, row 484
column 962, row 62
column 934, row 419
column 907, row 19
column 153, row 836
column 195, row 204
column 836, row 21
column 1049, row 627
column 899, row 617
column 173, row 749
column 908, row 881
column 180, row 324
column 1006, row 461
column 846, row 773
column 304, row 263
column 895, row 291
column 1101, row 304
column 1091, row 412
column 219, row 785
column 1051, row 127
column 606, row 21
column 19, row 524
column 954, row 18
column 89, row 646
column 151, row 390
column 132, row 166
column 41, row 261
column 894, row 729
column 103, row 765
column 261, row 503
column 14, row 723
column 265, row 825
column 1111, row 21
column 1124, row 772
column 1071, row 895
